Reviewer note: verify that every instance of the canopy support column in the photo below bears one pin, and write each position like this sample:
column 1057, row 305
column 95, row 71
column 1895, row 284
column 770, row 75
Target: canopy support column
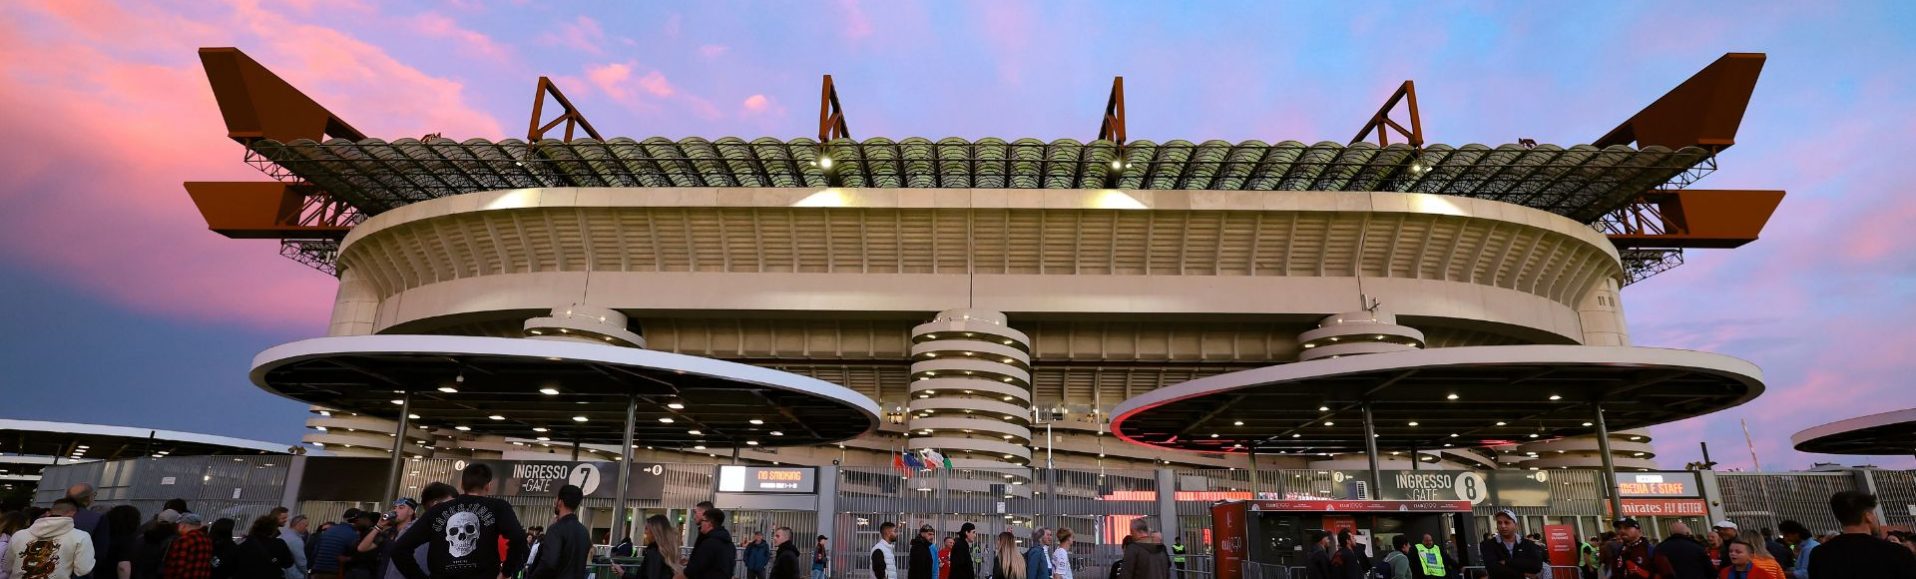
column 1370, row 449
column 625, row 470
column 1609, row 467
column 399, row 446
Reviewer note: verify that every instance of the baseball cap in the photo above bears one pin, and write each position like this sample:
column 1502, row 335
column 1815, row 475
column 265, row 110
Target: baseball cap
column 1626, row 522
column 169, row 516
column 1507, row 513
column 190, row 519
column 1723, row 525
column 406, row 502
column 350, row 515
column 925, row 529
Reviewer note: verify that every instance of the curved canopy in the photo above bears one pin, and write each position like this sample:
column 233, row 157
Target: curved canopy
column 29, row 446
column 564, row 391
column 1434, row 398
column 1886, row 433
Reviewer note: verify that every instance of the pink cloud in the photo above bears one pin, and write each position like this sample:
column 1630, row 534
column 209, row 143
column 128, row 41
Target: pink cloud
column 757, row 103
column 857, row 25
column 610, row 79
column 136, row 118
column 435, row 25
column 582, row 34
column 654, row 82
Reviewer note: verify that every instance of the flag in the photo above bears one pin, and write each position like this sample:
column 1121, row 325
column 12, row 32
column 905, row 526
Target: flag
column 898, row 462
column 911, row 460
column 926, row 456
column 938, row 458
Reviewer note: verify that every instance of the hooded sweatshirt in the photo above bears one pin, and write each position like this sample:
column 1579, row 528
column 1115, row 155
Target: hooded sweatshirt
column 50, row 549
column 1146, row 560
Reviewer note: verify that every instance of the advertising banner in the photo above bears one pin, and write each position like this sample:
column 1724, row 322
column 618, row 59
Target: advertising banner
column 1561, row 542
column 1663, row 507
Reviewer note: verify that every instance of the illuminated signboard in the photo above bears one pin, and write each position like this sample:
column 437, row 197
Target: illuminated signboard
column 767, row 479
column 1657, row 484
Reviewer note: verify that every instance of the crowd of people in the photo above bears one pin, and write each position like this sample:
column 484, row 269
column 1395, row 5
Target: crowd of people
column 469, row 534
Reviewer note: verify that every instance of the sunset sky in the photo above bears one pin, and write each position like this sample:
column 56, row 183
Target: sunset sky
column 128, row 311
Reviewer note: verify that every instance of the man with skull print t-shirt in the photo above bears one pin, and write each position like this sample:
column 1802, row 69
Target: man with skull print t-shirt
column 464, row 534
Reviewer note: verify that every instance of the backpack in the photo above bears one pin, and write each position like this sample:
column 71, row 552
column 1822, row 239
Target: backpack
column 1382, row 570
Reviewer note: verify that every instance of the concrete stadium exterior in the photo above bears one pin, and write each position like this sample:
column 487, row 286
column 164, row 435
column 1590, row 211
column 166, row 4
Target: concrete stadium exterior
column 998, row 299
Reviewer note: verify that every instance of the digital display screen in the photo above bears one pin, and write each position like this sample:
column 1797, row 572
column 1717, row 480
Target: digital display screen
column 767, row 479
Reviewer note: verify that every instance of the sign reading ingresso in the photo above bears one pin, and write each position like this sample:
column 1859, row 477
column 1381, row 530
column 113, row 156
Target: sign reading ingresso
column 767, row 479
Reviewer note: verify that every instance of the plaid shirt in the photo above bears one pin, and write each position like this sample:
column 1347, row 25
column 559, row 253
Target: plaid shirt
column 190, row 557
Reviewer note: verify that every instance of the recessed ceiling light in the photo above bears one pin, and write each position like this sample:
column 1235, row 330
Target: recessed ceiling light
column 549, row 391
column 413, row 416
column 756, row 422
column 675, row 405
column 578, row 419
column 695, row 433
column 699, row 447
column 1237, row 423
column 1555, row 397
column 538, row 429
column 496, row 417
column 398, row 402
column 448, row 389
column 777, row 433
column 665, row 420
column 1323, row 409
column 1500, row 423
column 751, row 443
column 1451, row 397
column 1329, row 423
column 543, row 439
column 462, row 428
column 1413, row 423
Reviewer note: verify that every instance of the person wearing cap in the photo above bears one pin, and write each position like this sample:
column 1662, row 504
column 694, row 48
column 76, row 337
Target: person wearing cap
column 921, row 555
column 1631, row 560
column 191, row 555
column 566, row 545
column 150, row 561
column 1507, row 555
column 1681, row 556
column 388, row 528
column 1726, row 531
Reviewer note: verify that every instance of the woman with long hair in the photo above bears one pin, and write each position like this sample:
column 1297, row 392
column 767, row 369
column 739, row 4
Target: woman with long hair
column 1011, row 564
column 10, row 523
column 125, row 522
column 661, row 554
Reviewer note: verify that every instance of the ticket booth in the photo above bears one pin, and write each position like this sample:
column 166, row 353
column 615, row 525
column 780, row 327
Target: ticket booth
column 1275, row 533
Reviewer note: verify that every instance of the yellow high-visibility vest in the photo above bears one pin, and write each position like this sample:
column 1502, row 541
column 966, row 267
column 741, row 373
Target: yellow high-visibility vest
column 1432, row 558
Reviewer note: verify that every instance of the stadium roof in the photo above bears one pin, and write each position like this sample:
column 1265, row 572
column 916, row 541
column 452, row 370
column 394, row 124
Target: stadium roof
column 1581, row 182
column 1503, row 395
column 564, row 390
column 97, row 441
column 1892, row 433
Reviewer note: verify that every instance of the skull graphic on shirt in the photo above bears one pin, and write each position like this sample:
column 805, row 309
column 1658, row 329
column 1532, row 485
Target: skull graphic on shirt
column 462, row 534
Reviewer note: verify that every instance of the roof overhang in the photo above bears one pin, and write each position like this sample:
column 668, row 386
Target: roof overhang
column 39, row 438
column 1888, row 433
column 504, row 377
column 1535, row 392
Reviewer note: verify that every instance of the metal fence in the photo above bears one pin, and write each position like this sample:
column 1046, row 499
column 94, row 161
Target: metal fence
column 239, row 488
column 1757, row 500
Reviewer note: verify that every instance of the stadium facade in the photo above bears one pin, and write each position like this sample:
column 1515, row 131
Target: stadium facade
column 998, row 299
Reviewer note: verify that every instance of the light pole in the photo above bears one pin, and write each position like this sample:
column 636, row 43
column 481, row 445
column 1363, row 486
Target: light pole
column 1057, row 413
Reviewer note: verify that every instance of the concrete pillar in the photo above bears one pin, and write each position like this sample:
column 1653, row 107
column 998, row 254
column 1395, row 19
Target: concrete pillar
column 289, row 494
column 828, row 502
column 1167, row 504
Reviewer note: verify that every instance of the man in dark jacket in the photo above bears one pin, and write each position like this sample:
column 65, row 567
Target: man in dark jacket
column 785, row 554
column 463, row 534
column 1508, row 555
column 1318, row 563
column 1858, row 553
column 713, row 557
column 757, row 556
column 1681, row 556
column 1632, row 556
column 1145, row 557
column 961, row 566
column 923, row 556
column 567, row 547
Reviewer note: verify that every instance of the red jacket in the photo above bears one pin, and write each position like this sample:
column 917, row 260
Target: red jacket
column 190, row 557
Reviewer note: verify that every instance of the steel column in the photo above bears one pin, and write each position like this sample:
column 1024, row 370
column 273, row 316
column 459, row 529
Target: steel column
column 399, row 446
column 1609, row 466
column 625, row 470
column 1370, row 448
